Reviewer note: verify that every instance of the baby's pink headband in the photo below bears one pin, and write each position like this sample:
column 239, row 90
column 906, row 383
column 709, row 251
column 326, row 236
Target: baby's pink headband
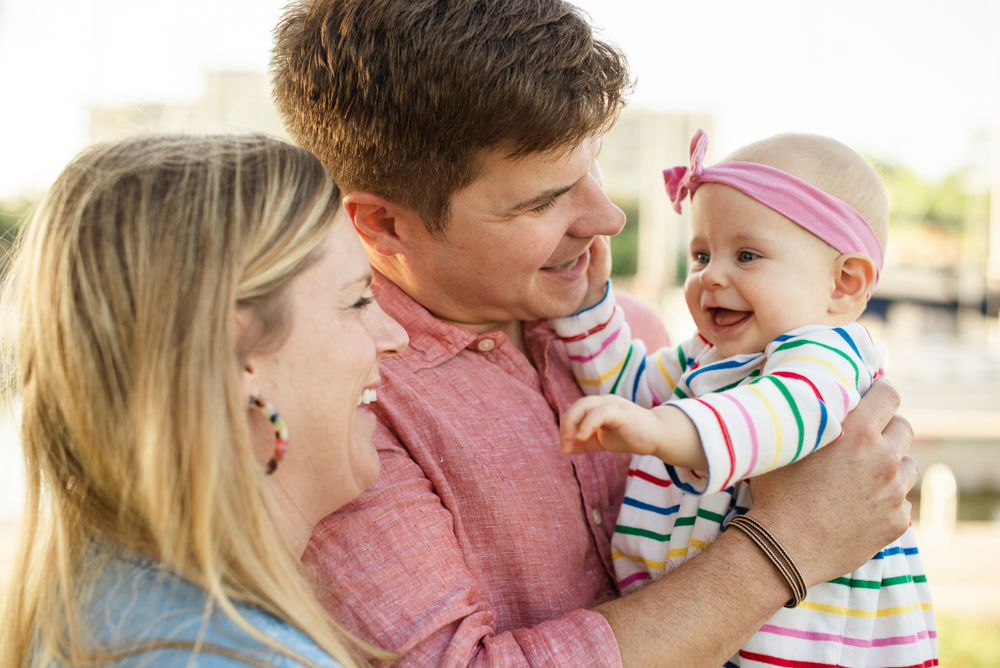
column 829, row 218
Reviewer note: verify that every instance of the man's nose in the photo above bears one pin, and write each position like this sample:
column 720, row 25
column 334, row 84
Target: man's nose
column 597, row 214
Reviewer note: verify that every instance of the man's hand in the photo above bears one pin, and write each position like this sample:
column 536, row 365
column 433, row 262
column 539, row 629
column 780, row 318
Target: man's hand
column 598, row 272
column 835, row 509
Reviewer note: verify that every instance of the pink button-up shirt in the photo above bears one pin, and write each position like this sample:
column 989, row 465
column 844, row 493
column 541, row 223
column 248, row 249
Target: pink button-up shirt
column 479, row 544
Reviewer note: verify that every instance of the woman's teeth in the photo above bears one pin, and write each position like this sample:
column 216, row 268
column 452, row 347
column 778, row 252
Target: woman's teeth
column 367, row 396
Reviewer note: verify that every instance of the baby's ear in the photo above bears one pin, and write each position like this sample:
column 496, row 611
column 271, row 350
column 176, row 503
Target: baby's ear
column 854, row 276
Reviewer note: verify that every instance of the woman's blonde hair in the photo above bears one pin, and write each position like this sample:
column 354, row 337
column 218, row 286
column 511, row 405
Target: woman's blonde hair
column 124, row 291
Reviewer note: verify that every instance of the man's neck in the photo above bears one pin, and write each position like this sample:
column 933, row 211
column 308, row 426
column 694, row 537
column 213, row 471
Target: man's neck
column 513, row 329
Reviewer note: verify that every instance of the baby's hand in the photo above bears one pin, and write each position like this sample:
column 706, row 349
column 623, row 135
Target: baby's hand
column 608, row 422
column 598, row 272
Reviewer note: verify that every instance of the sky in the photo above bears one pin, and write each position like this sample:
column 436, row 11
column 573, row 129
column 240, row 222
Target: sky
column 914, row 81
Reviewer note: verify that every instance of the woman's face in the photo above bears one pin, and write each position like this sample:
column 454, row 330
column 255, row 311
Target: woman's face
column 319, row 373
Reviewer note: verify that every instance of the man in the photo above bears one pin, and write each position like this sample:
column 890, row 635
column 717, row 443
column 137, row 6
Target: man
column 465, row 134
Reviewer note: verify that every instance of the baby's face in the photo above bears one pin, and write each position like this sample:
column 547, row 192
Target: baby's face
column 754, row 274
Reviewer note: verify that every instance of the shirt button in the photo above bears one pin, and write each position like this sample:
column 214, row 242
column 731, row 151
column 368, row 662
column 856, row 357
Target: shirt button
column 596, row 514
column 486, row 345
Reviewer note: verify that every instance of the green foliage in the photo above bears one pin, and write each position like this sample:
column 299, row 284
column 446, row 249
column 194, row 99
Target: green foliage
column 13, row 213
column 625, row 246
column 968, row 644
column 914, row 202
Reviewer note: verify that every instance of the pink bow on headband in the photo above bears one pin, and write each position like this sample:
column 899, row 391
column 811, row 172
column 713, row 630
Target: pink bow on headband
column 683, row 180
column 831, row 219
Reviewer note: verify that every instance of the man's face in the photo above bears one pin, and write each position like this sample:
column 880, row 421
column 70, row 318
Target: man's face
column 517, row 242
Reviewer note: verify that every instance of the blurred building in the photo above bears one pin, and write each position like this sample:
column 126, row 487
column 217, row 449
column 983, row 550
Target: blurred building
column 233, row 102
column 633, row 156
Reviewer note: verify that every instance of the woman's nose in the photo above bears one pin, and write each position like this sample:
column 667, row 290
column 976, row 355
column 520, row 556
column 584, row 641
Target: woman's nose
column 390, row 337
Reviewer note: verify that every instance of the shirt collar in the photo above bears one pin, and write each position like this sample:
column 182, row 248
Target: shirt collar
column 433, row 341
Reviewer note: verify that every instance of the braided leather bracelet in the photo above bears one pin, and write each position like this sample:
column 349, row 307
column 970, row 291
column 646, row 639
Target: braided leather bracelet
column 770, row 546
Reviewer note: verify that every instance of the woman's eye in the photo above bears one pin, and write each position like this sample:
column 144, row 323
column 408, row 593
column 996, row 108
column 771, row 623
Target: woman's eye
column 747, row 256
column 363, row 302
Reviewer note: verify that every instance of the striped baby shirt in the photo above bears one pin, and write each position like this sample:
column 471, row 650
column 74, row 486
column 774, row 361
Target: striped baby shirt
column 754, row 413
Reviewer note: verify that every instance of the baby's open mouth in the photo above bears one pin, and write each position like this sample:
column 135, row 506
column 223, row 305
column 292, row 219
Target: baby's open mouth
column 724, row 317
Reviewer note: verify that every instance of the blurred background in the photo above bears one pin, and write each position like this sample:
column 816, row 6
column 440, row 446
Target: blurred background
column 913, row 85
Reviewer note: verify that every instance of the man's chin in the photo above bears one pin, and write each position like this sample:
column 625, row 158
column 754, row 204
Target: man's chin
column 560, row 304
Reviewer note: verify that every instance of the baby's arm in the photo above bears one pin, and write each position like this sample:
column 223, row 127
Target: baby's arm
column 606, row 361
column 809, row 381
column 609, row 422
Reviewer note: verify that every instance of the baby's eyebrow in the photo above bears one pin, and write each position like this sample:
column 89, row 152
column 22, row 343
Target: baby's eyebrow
column 750, row 238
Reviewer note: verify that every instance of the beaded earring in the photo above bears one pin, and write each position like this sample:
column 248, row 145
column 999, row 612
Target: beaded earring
column 280, row 432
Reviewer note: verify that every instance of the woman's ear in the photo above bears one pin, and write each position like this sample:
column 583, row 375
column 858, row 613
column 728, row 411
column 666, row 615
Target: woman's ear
column 854, row 277
column 244, row 325
column 383, row 226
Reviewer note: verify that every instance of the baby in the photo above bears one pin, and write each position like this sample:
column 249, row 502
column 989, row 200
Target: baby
column 787, row 239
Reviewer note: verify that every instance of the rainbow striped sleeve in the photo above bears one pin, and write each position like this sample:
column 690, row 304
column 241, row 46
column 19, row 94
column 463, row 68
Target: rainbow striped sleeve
column 606, row 360
column 808, row 381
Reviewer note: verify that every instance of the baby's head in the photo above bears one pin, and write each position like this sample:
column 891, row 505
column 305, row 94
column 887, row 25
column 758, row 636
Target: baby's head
column 754, row 273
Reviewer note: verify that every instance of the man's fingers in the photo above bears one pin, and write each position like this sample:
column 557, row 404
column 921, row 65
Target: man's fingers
column 899, row 431
column 879, row 405
column 909, row 472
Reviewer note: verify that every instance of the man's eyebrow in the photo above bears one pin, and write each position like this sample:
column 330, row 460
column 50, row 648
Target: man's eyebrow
column 539, row 199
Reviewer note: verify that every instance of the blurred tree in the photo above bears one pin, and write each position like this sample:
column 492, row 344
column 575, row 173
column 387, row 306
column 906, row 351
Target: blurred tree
column 914, row 201
column 929, row 220
column 625, row 246
column 13, row 213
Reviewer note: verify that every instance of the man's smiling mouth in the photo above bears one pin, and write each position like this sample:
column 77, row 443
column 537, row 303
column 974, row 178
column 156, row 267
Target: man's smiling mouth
column 572, row 264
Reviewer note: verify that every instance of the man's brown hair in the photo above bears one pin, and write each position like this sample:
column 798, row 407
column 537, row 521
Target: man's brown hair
column 399, row 97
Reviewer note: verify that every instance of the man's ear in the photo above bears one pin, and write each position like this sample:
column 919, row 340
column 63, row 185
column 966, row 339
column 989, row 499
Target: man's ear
column 383, row 226
column 854, row 277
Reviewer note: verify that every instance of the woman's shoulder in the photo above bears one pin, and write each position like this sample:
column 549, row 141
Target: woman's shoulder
column 149, row 616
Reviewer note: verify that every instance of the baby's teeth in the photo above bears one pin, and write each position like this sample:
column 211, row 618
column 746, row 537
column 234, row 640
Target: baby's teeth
column 367, row 397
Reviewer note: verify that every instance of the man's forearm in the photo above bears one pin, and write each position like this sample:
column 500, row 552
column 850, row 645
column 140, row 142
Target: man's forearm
column 701, row 613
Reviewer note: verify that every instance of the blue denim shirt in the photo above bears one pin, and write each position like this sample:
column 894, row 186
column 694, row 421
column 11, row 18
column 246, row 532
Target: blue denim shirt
column 136, row 600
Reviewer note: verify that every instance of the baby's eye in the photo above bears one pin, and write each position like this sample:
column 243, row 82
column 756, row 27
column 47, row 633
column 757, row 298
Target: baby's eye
column 747, row 256
column 701, row 257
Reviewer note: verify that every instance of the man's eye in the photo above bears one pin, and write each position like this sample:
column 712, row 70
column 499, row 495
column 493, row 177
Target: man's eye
column 747, row 256
column 541, row 208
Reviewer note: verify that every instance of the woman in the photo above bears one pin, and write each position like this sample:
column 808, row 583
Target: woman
column 172, row 294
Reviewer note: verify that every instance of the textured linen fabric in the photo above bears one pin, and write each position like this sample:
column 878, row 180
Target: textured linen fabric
column 479, row 544
column 755, row 412
column 136, row 600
